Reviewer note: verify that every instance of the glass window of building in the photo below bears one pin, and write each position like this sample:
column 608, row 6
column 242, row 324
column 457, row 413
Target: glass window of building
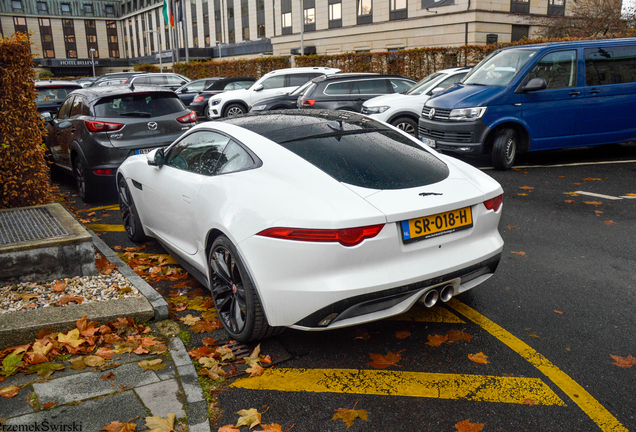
column 46, row 36
column 260, row 18
column 309, row 15
column 398, row 9
column 113, row 40
column 42, row 7
column 66, row 8
column 16, row 4
column 520, row 6
column 88, row 8
column 91, row 37
column 110, row 10
column 69, row 38
column 556, row 7
column 20, row 24
column 286, row 16
column 365, row 12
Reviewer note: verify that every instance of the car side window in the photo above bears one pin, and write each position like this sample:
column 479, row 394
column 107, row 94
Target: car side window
column 198, row 152
column 174, row 80
column 558, row 69
column 76, row 108
column 274, row 82
column 374, row 86
column 339, row 88
column 242, row 84
column 299, row 79
column 65, row 109
column 158, row 80
column 229, row 86
column 234, row 158
column 400, row 85
column 195, row 87
column 615, row 65
column 142, row 81
column 453, row 79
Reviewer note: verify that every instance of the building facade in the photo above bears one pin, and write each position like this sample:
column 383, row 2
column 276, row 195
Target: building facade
column 70, row 37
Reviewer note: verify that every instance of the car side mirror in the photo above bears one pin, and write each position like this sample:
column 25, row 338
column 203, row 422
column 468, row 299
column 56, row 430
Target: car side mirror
column 46, row 116
column 436, row 90
column 535, row 84
column 258, row 87
column 156, row 158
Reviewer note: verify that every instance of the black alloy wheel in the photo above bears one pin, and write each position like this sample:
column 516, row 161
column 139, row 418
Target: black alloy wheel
column 85, row 188
column 129, row 215
column 235, row 298
column 206, row 112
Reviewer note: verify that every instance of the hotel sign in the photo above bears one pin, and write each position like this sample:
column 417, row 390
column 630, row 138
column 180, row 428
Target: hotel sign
column 77, row 62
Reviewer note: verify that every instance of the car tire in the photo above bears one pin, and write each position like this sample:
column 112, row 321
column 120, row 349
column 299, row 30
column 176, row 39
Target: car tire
column 236, row 301
column 206, row 112
column 234, row 110
column 129, row 214
column 85, row 187
column 504, row 149
column 406, row 124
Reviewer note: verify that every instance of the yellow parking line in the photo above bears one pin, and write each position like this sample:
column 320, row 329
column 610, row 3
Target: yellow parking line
column 105, row 227
column 108, row 207
column 603, row 418
column 480, row 388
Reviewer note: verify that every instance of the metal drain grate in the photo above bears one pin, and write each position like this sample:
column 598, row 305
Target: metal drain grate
column 21, row 225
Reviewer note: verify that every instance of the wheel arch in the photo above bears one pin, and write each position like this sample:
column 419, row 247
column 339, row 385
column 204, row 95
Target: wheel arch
column 229, row 103
column 399, row 114
column 522, row 135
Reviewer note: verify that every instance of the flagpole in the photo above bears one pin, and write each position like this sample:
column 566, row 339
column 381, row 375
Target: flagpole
column 185, row 29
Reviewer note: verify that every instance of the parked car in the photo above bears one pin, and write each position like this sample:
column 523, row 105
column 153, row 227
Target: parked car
column 347, row 92
column 188, row 91
column 113, row 75
column 200, row 102
column 314, row 220
column 403, row 110
column 277, row 82
column 98, row 127
column 170, row 81
column 86, row 81
column 538, row 97
column 50, row 94
column 286, row 101
column 109, row 82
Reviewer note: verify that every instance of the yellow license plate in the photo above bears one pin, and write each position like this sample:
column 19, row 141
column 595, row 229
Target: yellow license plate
column 435, row 225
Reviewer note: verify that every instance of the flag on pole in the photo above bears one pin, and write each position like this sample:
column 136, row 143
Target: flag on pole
column 167, row 14
column 180, row 11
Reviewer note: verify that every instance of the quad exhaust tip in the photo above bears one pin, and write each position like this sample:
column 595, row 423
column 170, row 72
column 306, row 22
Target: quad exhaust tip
column 430, row 298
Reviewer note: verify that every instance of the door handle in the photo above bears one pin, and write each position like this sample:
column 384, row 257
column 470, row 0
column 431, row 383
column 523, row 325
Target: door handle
column 594, row 91
column 186, row 199
column 574, row 93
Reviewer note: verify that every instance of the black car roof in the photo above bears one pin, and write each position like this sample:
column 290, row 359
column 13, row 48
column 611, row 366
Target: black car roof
column 291, row 125
column 94, row 93
column 345, row 76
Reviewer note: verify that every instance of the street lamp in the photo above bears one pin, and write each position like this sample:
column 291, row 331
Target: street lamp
column 159, row 50
column 219, row 45
column 93, row 60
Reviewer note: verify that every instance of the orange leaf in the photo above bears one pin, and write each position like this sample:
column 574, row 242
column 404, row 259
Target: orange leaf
column 510, row 227
column 384, row 361
column 10, row 391
column 624, row 362
column 250, row 417
column 523, row 194
column 58, row 286
column 159, row 424
column 467, row 426
column 595, row 203
column 455, row 335
column 609, row 222
column 110, row 376
column 631, row 194
column 49, row 404
column 526, row 187
column 519, row 253
column 528, row 402
column 208, row 341
column 228, row 428
column 591, row 179
column 402, row 334
column 119, row 427
column 205, row 326
column 570, row 201
column 349, row 415
column 559, row 312
column 69, row 299
column 436, row 340
column 255, row 370
column 479, row 358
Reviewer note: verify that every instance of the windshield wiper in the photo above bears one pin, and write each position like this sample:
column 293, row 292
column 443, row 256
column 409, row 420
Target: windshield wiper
column 136, row 114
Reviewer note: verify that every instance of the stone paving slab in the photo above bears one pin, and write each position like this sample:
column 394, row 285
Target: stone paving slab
column 162, row 398
column 16, row 405
column 90, row 415
column 89, row 384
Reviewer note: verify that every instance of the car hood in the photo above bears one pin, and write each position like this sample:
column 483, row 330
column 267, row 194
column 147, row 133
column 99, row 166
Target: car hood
column 386, row 100
column 466, row 96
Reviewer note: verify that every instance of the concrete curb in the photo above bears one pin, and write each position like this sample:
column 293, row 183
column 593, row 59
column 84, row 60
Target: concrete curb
column 197, row 407
column 159, row 304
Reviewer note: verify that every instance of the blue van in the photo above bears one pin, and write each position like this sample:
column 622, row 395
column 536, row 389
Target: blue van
column 537, row 97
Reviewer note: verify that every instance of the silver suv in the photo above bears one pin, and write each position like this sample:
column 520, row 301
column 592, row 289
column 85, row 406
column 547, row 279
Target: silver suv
column 97, row 128
column 171, row 81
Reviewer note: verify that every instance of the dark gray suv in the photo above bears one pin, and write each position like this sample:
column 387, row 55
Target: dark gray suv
column 97, row 128
column 347, row 92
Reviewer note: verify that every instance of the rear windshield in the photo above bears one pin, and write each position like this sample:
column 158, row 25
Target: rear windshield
column 51, row 95
column 139, row 105
column 381, row 159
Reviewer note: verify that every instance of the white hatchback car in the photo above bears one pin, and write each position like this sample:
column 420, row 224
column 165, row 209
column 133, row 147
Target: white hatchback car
column 274, row 83
column 403, row 110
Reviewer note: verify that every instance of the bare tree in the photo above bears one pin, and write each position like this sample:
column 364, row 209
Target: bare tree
column 588, row 18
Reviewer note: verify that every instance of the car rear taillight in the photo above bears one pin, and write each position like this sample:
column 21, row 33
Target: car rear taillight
column 494, row 203
column 346, row 236
column 188, row 118
column 198, row 99
column 103, row 171
column 98, row 126
column 307, row 102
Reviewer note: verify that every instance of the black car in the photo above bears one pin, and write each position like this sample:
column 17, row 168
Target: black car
column 347, row 92
column 282, row 102
column 166, row 80
column 112, row 76
column 50, row 94
column 97, row 128
column 200, row 102
column 188, row 92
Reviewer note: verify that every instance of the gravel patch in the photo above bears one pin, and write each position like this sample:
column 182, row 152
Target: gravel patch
column 58, row 293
